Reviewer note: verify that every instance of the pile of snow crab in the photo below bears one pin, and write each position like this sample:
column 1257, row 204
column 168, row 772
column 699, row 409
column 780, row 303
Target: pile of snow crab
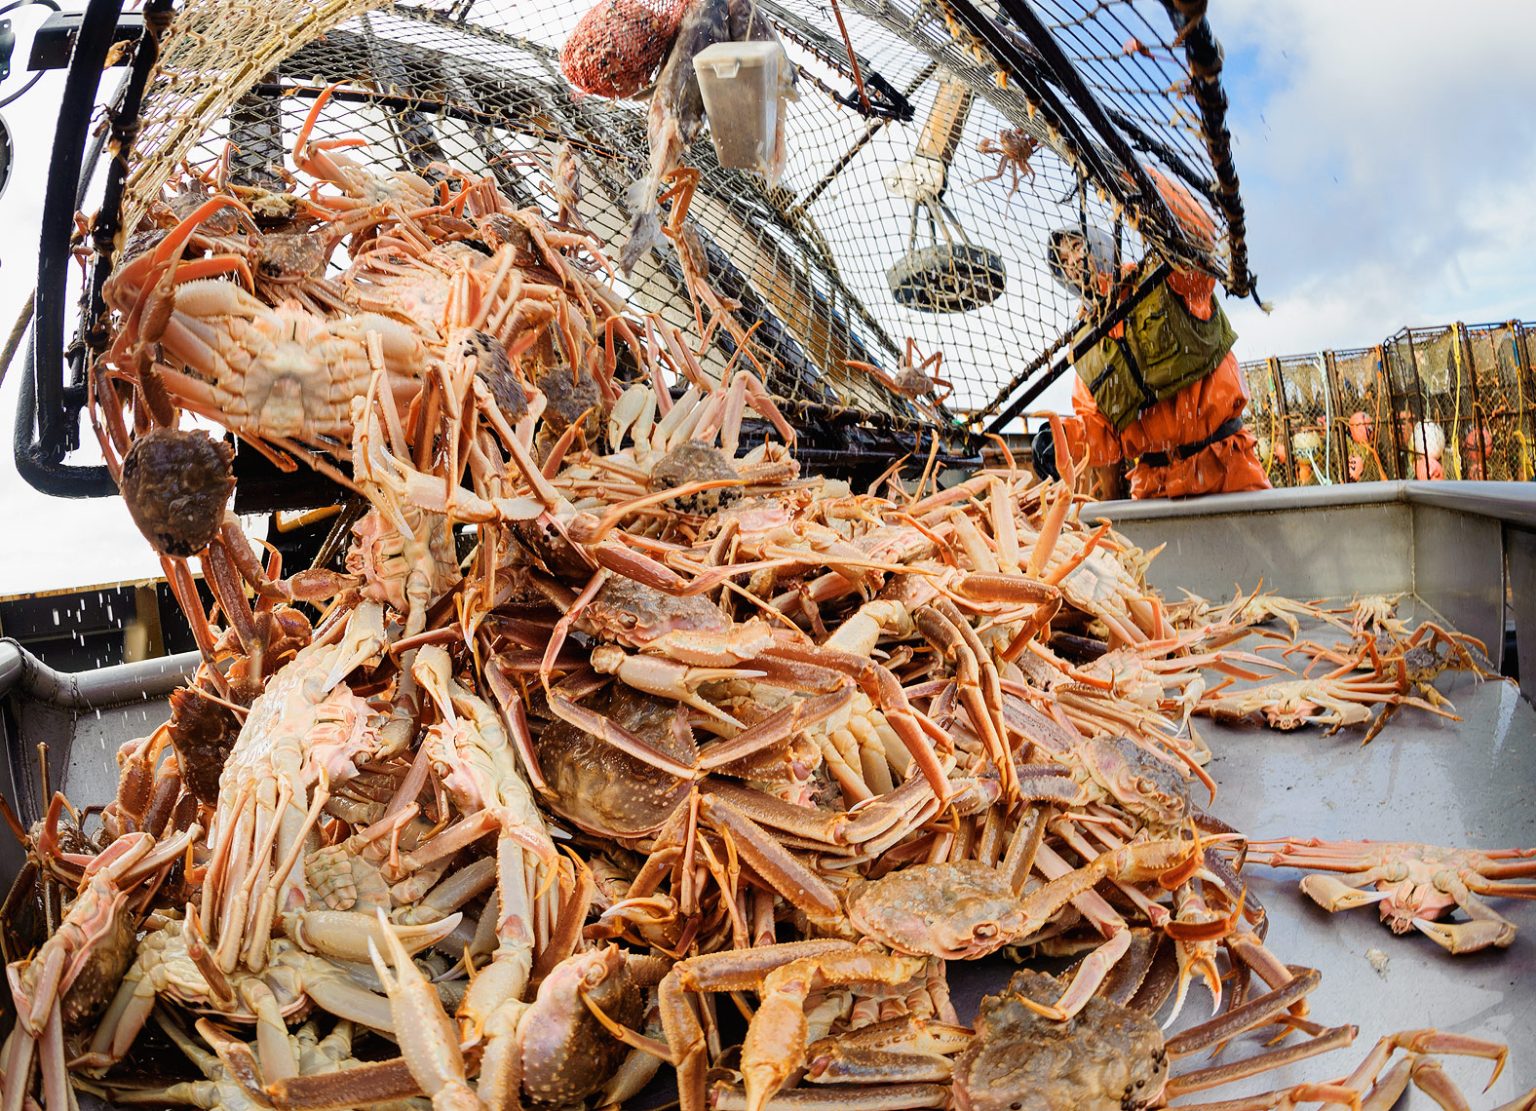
column 613, row 724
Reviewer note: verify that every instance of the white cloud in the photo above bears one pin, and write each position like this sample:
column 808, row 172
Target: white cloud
column 1388, row 157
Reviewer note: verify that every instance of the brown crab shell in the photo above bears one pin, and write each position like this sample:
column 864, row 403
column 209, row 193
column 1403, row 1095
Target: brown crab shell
column 176, row 484
column 567, row 1053
column 568, row 398
column 1105, row 1058
column 494, row 368
column 1149, row 788
column 605, row 791
column 958, row 910
column 202, row 733
column 691, row 461
column 102, row 974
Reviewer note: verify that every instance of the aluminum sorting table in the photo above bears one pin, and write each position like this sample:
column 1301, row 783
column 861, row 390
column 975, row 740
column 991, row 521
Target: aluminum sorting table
column 1462, row 553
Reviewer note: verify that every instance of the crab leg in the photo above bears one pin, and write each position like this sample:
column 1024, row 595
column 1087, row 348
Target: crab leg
column 1247, row 1017
column 732, row 970
column 1330, row 1039
column 1487, row 927
column 772, row 861
column 775, row 1045
column 883, row 1097
column 429, row 1041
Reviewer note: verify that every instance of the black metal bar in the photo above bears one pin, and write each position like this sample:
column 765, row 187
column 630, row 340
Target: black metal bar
column 414, row 133
column 1101, row 327
column 259, row 156
column 1166, row 155
column 1071, row 83
column 1204, row 55
column 1006, row 48
column 46, row 418
column 54, row 41
column 107, row 230
column 59, row 205
column 1023, row 376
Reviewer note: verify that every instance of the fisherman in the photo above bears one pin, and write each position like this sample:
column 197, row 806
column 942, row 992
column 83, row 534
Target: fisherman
column 1161, row 392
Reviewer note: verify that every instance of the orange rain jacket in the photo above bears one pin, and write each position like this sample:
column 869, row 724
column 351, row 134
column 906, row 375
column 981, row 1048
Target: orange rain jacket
column 1195, row 412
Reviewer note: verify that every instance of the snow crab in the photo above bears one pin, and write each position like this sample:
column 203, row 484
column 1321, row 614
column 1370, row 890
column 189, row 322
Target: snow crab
column 1415, row 886
column 1111, row 1058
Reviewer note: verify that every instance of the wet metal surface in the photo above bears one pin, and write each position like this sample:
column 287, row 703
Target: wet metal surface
column 1423, row 779
column 1458, row 568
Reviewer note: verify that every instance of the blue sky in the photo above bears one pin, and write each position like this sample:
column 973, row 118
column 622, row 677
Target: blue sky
column 1388, row 158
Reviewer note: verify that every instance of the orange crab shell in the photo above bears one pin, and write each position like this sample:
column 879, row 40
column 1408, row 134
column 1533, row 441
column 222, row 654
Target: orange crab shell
column 618, row 45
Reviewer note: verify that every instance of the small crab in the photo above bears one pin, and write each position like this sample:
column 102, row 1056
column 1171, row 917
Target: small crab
column 1015, row 147
column 1413, row 662
column 1146, row 785
column 1113, row 1058
column 1415, row 885
column 176, row 484
column 1261, row 609
column 917, row 377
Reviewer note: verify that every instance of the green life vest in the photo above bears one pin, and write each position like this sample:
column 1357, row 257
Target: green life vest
column 1164, row 347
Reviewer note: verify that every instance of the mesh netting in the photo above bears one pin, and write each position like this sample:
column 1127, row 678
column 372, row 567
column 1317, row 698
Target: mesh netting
column 1501, row 443
column 1267, row 420
column 1311, row 428
column 926, row 172
column 1433, row 390
column 219, row 50
column 1365, row 402
column 1451, row 402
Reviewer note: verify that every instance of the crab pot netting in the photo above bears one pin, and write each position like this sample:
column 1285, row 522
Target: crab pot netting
column 1501, row 448
column 477, row 84
column 1266, row 419
column 1360, row 386
column 1432, row 385
column 1376, row 408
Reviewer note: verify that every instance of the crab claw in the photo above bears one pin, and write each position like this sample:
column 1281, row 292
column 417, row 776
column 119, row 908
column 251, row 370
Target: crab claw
column 1203, row 966
column 1430, row 1040
column 429, row 1042
column 349, row 936
column 1467, row 937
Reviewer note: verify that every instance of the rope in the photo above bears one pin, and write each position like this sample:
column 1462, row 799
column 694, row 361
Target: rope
column 19, row 329
column 1525, row 445
column 1455, row 445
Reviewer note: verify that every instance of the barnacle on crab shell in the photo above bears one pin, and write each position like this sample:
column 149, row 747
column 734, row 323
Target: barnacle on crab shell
column 689, row 462
column 176, row 484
